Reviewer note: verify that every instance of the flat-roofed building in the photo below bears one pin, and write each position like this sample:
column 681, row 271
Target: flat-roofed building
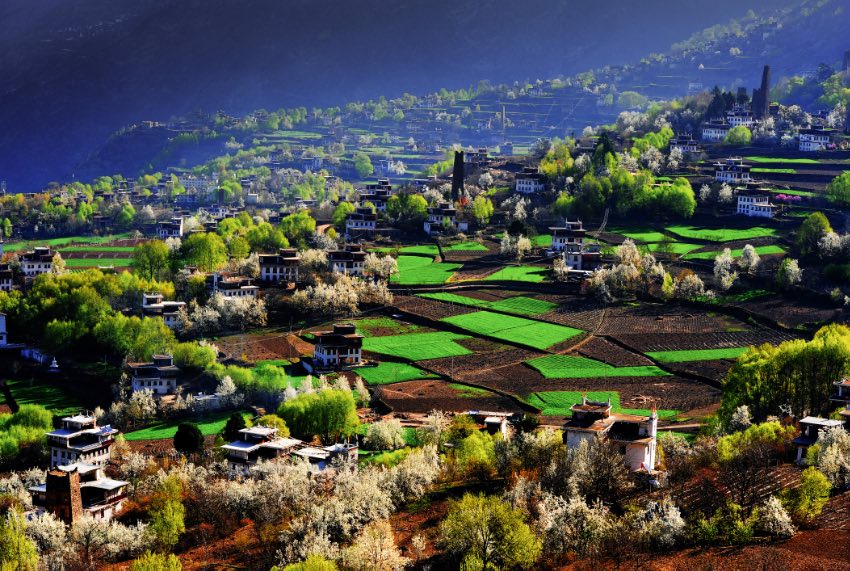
column 281, row 267
column 342, row 346
column 158, row 375
column 80, row 439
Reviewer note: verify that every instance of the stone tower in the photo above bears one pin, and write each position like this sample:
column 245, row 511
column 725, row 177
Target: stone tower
column 761, row 96
column 457, row 176
column 846, row 67
column 63, row 497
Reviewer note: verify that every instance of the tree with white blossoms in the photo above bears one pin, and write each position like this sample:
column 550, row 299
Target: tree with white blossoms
column 724, row 275
column 344, row 296
column 384, row 435
column 58, row 264
column 628, row 253
column 750, row 260
column 688, row 286
column 485, row 180
column 833, row 456
column 560, row 269
column 50, row 536
column 174, row 244
column 662, row 525
column 789, row 274
column 374, row 549
column 380, row 267
column 519, row 212
column 774, row 519
column 725, row 194
column 433, row 429
column 741, row 419
column 226, row 391
column 523, row 247
column 411, row 478
column 652, row 159
column 248, row 266
column 573, row 525
column 141, row 407
column 674, row 159
column 704, row 193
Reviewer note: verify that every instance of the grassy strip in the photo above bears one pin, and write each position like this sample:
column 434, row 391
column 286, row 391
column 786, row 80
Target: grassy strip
column 534, row 334
column 761, row 250
column 418, row 346
column 572, row 367
column 773, row 171
column 71, row 249
column 208, row 425
column 387, row 373
column 465, row 391
column 369, row 325
column 56, row 242
column 52, row 397
column 531, row 274
column 688, row 355
column 95, row 262
column 721, row 234
column 640, row 234
column 520, row 305
column 558, row 403
column 774, row 160
column 677, row 248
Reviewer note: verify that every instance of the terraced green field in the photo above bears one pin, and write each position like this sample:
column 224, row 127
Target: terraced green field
column 760, row 250
column 640, row 235
column 686, row 356
column 534, row 334
column 52, row 397
column 95, row 262
column 678, row 248
column 721, row 234
column 369, row 326
column 56, row 242
column 418, row 346
column 419, row 270
column 573, row 367
column 127, row 249
column 208, row 424
column 772, row 171
column 386, row 373
column 531, row 274
column 769, row 160
column 520, row 305
column 558, row 403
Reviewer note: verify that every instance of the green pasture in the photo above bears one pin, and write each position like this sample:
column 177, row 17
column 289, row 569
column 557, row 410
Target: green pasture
column 760, row 250
column 775, row 160
column 573, row 367
column 772, row 171
column 70, row 249
column 52, row 397
column 677, row 248
column 558, row 403
column 531, row 274
column 686, row 356
column 56, row 242
column 208, row 424
column 418, row 346
column 721, row 234
column 95, row 262
column 416, row 270
column 534, row 334
column 386, row 373
column 367, row 326
column 640, row 235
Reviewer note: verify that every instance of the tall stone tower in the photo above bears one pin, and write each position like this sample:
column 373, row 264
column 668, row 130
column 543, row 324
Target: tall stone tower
column 457, row 176
column 847, row 121
column 761, row 96
column 846, row 67
column 63, row 498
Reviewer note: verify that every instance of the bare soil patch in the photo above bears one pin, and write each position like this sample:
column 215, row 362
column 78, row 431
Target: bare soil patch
column 424, row 396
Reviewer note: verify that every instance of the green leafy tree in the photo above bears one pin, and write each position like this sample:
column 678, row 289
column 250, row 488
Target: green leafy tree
column 328, row 414
column 482, row 209
column 156, row 562
column 298, row 228
column 487, row 533
column 274, row 421
column 838, row 191
column 813, row 228
column 166, row 513
column 407, row 208
column 126, row 216
column 363, row 164
column 312, row 563
column 7, row 228
column 188, row 439
column 563, row 204
column 266, row 238
column 205, row 250
column 151, row 259
column 341, row 212
column 234, row 424
column 17, row 551
column 806, row 502
column 239, row 248
column 739, row 136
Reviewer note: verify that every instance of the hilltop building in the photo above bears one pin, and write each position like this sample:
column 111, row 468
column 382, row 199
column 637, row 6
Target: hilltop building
column 715, row 131
column 37, row 261
column 281, row 267
column 80, row 440
column 77, row 490
column 685, row 144
column 155, row 305
column 443, row 217
column 756, row 204
column 817, row 138
column 339, row 347
column 635, row 434
column 230, row 286
column 530, row 181
column 569, row 241
column 361, row 223
column 6, row 277
column 732, row 171
column 255, row 444
column 170, row 229
column 378, row 194
column 349, row 260
column 159, row 375
column 810, row 428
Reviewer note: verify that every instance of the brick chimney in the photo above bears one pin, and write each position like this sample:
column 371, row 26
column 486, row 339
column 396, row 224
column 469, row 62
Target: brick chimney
column 63, row 497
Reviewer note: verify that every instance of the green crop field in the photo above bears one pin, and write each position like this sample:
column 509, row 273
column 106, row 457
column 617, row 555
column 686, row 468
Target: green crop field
column 696, row 355
column 803, row 193
column 52, row 397
column 95, row 262
column 466, row 247
column 678, row 248
column 298, row 134
column 368, row 326
column 208, row 424
column 558, row 403
column 520, row 305
column 572, row 367
column 535, row 334
column 465, row 391
column 56, row 242
column 70, row 249
column 532, row 274
column 769, row 160
column 542, row 241
column 640, row 235
column 415, row 270
column 721, row 234
column 386, row 373
column 760, row 250
column 418, row 346
column 773, row 171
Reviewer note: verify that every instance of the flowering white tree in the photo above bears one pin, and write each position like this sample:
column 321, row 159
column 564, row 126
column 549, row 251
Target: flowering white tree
column 724, row 276
column 725, row 195
column 750, row 260
column 661, row 524
column 789, row 273
column 382, row 267
column 560, row 269
column 375, row 550
column 834, row 456
column 689, row 287
column 774, row 519
column 741, row 419
column 704, row 193
column 385, row 435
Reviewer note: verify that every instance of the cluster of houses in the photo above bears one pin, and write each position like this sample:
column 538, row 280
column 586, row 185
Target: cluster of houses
column 569, row 241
